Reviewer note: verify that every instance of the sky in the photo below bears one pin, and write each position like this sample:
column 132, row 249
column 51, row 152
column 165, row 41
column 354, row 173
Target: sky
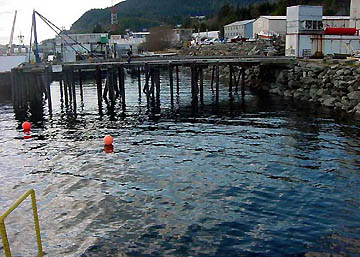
column 63, row 13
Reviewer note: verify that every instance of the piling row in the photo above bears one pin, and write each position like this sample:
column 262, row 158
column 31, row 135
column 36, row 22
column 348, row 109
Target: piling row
column 33, row 86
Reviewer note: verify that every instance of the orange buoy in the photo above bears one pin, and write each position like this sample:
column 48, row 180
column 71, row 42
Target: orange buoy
column 26, row 126
column 108, row 140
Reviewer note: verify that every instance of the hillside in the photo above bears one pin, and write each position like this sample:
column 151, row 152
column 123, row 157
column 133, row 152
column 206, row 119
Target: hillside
column 140, row 14
column 144, row 14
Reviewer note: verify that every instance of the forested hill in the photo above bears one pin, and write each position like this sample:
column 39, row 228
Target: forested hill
column 138, row 14
column 144, row 14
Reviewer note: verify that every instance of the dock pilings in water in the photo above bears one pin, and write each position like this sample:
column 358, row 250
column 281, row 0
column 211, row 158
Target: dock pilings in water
column 31, row 84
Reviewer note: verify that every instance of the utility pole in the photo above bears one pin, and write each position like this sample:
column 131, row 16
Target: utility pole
column 113, row 17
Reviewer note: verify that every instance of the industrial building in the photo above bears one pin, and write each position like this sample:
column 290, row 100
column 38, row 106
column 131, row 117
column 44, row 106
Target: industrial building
column 309, row 33
column 355, row 14
column 121, row 45
column 336, row 21
column 72, row 45
column 269, row 26
column 242, row 29
column 206, row 35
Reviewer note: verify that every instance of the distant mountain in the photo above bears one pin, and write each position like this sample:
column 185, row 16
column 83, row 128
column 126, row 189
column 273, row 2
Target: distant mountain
column 141, row 14
column 144, row 14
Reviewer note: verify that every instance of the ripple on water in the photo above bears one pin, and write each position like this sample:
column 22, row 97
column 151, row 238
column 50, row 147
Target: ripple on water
column 269, row 179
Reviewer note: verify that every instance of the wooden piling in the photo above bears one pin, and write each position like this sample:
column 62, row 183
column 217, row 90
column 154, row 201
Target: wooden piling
column 61, row 90
column 70, row 78
column 66, row 84
column 212, row 78
column 122, row 87
column 73, row 90
column 242, row 82
column 177, row 80
column 237, row 82
column 48, row 90
column 217, row 82
column 171, row 80
column 110, row 84
column 231, row 68
column 139, row 82
column 81, row 86
column 201, row 86
column 157, row 85
column 194, row 87
column 147, row 91
column 152, row 88
column 99, row 85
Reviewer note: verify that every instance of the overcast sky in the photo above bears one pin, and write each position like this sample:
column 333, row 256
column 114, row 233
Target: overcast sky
column 61, row 13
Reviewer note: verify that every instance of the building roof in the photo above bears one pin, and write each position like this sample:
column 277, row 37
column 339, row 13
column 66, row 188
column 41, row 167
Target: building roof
column 336, row 17
column 237, row 23
column 274, row 17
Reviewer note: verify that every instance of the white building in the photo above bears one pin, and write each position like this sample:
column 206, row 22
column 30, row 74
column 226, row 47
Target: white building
column 243, row 29
column 355, row 14
column 207, row 34
column 306, row 35
column 123, row 44
column 70, row 45
column 303, row 24
column 336, row 21
column 268, row 26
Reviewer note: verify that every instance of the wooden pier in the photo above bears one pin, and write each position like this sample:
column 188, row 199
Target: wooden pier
column 31, row 83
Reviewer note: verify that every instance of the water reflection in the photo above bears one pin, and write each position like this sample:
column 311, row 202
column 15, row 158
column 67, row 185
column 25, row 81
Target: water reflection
column 259, row 176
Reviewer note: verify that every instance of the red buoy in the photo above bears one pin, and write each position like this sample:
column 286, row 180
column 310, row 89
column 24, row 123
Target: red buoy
column 26, row 126
column 108, row 140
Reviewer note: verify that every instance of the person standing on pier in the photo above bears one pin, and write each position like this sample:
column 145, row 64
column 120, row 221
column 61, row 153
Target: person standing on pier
column 129, row 54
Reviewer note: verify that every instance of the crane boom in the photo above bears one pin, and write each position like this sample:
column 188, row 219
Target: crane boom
column 12, row 35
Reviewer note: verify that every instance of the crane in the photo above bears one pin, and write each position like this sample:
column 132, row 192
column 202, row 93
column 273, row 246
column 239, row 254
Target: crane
column 9, row 50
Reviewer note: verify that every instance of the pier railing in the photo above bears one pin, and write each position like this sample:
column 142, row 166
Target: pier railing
column 3, row 233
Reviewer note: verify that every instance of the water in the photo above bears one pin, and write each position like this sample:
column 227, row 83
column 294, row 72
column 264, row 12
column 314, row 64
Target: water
column 266, row 177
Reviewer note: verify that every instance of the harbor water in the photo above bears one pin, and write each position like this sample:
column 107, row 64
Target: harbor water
column 262, row 176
